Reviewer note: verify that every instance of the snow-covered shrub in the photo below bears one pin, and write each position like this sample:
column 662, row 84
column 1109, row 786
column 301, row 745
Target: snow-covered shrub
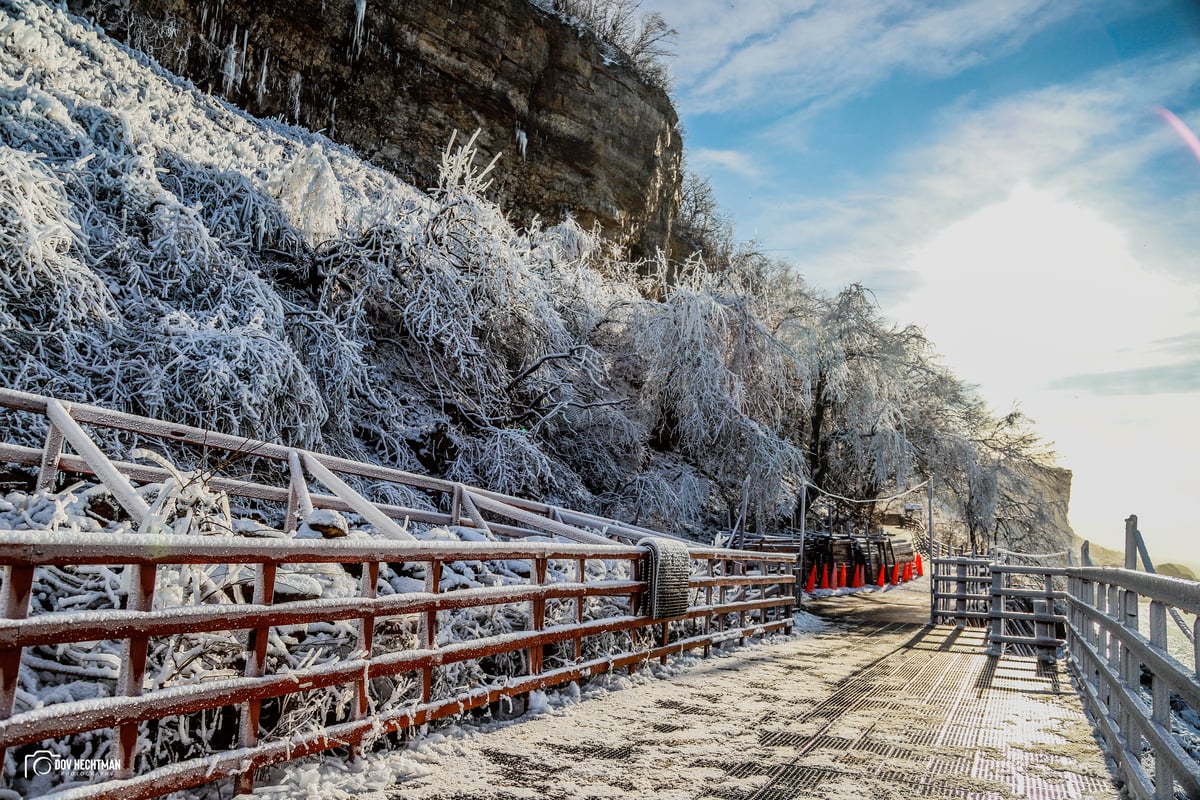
column 719, row 386
column 507, row 461
column 309, row 191
column 44, row 287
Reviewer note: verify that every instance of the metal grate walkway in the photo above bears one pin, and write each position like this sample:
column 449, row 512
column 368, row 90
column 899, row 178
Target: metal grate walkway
column 868, row 709
column 936, row 718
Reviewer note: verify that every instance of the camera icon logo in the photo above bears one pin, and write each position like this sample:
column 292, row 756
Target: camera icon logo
column 39, row 762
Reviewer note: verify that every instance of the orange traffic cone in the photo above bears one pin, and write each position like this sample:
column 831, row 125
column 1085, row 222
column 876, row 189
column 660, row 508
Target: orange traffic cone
column 858, row 577
column 825, row 577
column 812, row 580
column 895, row 574
column 908, row 571
column 843, row 581
column 882, row 576
column 920, row 566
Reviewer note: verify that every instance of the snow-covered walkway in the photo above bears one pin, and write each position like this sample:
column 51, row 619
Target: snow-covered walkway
column 860, row 709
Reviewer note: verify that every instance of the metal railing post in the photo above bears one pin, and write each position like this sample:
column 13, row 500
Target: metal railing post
column 995, row 643
column 133, row 661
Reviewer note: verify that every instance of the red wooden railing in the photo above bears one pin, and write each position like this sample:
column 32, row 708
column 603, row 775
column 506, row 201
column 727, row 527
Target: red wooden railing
column 733, row 595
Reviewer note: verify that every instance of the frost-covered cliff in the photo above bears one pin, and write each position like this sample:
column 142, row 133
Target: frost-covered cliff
column 581, row 132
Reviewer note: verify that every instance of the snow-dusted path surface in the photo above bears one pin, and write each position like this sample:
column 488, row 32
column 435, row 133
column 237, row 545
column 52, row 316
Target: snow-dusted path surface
column 861, row 709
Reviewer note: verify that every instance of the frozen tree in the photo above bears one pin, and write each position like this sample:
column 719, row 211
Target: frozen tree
column 641, row 36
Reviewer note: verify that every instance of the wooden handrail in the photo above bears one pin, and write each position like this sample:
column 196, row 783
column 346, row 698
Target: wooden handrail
column 751, row 589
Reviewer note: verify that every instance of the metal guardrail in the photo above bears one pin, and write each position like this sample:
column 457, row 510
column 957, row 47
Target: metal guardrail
column 1115, row 659
column 967, row 603
column 733, row 595
column 1127, row 675
column 1033, row 623
column 983, row 595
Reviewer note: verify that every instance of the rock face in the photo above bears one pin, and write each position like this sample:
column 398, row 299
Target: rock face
column 580, row 132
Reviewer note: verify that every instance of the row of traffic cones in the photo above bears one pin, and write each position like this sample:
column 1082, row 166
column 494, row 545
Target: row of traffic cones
column 836, row 579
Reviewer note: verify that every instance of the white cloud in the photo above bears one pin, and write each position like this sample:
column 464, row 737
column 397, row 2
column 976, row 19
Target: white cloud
column 801, row 54
column 705, row 160
column 1037, row 287
column 1026, row 294
column 1094, row 141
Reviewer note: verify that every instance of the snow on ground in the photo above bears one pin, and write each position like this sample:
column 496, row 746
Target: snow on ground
column 885, row 711
column 454, row 758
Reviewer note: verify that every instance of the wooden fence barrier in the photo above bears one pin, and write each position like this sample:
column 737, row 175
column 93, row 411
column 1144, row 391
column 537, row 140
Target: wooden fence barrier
column 733, row 595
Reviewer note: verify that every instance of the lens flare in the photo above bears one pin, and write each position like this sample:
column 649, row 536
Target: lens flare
column 1182, row 129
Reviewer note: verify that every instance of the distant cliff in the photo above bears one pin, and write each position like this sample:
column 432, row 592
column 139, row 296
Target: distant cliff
column 580, row 132
column 1053, row 486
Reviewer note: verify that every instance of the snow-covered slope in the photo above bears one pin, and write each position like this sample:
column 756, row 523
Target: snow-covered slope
column 170, row 255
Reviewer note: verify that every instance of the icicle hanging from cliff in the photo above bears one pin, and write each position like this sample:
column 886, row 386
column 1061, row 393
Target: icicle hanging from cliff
column 294, row 84
column 360, row 12
column 522, row 141
column 260, row 88
column 229, row 68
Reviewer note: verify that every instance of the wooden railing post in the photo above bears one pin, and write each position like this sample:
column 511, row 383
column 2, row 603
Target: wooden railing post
column 433, row 579
column 456, row 504
column 51, row 453
column 133, row 661
column 740, row 594
column 995, row 644
column 117, row 484
column 708, row 601
column 582, row 576
column 366, row 641
column 960, row 594
column 1044, row 629
column 18, row 587
column 1131, row 533
column 539, row 616
column 256, row 663
column 1130, row 666
column 299, row 501
column 1196, row 647
column 1160, row 702
column 664, row 638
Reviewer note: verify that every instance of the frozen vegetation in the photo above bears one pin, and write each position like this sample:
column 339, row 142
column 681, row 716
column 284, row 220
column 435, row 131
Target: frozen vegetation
column 78, row 672
column 169, row 255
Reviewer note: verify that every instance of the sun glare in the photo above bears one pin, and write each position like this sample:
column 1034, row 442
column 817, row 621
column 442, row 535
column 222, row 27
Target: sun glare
column 1038, row 288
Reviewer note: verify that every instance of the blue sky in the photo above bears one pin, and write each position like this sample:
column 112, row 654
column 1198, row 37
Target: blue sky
column 1000, row 174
